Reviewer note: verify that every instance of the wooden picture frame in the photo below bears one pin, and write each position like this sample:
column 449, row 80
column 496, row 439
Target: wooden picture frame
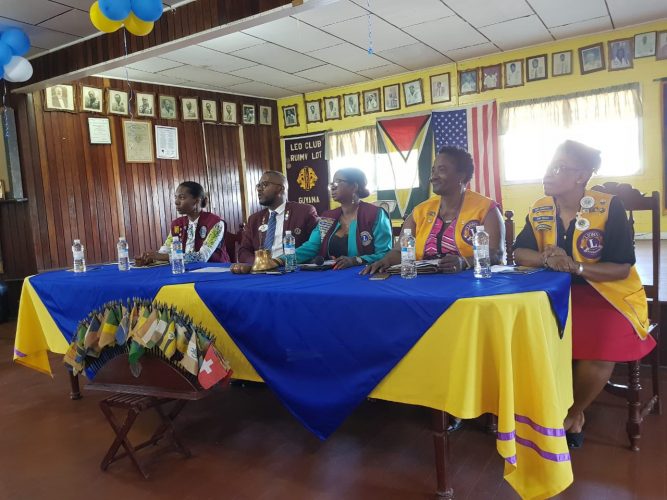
column 541, row 71
column 265, row 117
column 138, row 141
column 314, row 111
column 661, row 48
column 290, row 116
column 591, row 58
column 469, row 81
column 491, row 77
column 511, row 78
column 332, row 108
column 92, row 99
column 229, row 112
column 561, row 66
column 209, row 110
column 60, row 98
column 145, row 106
column 168, row 107
column 351, row 106
column 413, row 92
column 621, row 54
column 248, row 114
column 391, row 97
column 441, row 88
column 645, row 44
column 372, row 101
column 118, row 102
column 190, row 109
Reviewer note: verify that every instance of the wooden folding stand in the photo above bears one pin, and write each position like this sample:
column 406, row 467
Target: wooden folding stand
column 159, row 384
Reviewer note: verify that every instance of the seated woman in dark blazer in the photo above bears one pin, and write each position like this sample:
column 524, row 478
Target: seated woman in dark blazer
column 586, row 233
column 201, row 233
column 353, row 234
column 443, row 226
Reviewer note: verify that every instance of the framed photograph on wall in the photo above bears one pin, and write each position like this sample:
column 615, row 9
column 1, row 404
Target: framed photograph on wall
column 332, row 108
column 290, row 116
column 189, row 108
column 168, row 110
column 209, row 110
column 561, row 63
column 391, row 97
column 645, row 44
column 536, row 68
column 469, row 81
column 117, row 102
column 249, row 115
column 492, row 77
column 92, row 99
column 265, row 115
column 372, row 102
column 514, row 73
column 413, row 92
column 145, row 105
column 591, row 58
column 351, row 104
column 229, row 114
column 138, row 141
column 59, row 98
column 621, row 54
column 661, row 46
column 441, row 88
column 313, row 111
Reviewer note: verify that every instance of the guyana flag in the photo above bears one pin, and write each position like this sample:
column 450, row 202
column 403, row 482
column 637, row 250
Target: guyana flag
column 109, row 327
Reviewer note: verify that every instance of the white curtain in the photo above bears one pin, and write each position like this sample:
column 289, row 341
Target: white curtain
column 353, row 148
column 607, row 119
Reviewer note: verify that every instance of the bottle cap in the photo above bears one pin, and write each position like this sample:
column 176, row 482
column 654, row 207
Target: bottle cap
column 288, row 232
column 407, row 231
column 480, row 228
column 77, row 241
column 122, row 238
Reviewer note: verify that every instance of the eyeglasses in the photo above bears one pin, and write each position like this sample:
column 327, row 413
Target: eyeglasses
column 558, row 169
column 335, row 184
column 265, row 184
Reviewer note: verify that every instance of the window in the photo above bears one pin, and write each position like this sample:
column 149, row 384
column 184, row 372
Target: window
column 608, row 119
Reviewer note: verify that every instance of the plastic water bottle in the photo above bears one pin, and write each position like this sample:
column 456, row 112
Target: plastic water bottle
column 79, row 257
column 123, row 254
column 480, row 245
column 177, row 262
column 289, row 250
column 408, row 265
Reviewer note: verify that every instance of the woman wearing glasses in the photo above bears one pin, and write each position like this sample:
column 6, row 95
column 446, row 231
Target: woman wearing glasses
column 586, row 233
column 354, row 234
column 201, row 233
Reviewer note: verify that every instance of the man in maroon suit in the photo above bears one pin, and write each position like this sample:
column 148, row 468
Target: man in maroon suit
column 279, row 216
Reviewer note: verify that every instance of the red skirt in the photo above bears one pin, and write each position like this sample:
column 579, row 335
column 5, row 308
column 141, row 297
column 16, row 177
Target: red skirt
column 600, row 332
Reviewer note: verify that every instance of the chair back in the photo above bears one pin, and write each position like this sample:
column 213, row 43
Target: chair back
column 509, row 237
column 634, row 201
column 233, row 242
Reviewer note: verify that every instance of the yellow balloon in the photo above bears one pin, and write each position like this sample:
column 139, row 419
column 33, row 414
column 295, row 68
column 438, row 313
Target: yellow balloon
column 101, row 22
column 138, row 27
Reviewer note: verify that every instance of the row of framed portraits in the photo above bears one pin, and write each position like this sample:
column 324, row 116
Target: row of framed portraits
column 118, row 102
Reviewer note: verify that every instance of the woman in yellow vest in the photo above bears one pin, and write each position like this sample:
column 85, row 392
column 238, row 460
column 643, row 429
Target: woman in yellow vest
column 586, row 233
column 445, row 224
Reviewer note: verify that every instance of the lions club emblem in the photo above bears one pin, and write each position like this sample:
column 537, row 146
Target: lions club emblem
column 306, row 178
column 590, row 243
column 468, row 231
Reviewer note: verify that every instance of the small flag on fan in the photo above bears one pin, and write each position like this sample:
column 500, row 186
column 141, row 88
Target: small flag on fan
column 92, row 337
column 190, row 361
column 213, row 369
column 124, row 326
column 141, row 334
column 168, row 342
column 109, row 327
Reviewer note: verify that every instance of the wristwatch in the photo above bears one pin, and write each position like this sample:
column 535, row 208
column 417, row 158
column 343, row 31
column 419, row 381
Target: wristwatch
column 358, row 260
column 580, row 269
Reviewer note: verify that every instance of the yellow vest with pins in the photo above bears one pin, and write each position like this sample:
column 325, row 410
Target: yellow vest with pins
column 626, row 295
column 474, row 209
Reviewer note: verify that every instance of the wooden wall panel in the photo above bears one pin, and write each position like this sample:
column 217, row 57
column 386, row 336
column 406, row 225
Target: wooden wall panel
column 18, row 257
column 89, row 192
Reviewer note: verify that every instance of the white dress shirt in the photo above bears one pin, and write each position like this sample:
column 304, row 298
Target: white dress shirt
column 277, row 248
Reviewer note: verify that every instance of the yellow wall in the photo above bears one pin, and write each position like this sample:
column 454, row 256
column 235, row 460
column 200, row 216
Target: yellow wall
column 519, row 197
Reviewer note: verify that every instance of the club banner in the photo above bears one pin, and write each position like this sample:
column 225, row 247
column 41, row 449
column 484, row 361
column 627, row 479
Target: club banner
column 307, row 171
column 664, row 142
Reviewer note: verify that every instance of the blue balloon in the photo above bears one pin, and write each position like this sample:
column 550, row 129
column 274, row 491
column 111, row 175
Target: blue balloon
column 116, row 10
column 147, row 10
column 5, row 54
column 17, row 40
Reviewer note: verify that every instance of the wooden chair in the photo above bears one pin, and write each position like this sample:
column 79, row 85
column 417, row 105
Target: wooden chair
column 233, row 241
column 634, row 201
column 509, row 237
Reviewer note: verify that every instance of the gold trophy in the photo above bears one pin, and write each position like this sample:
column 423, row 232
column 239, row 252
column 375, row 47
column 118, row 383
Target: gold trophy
column 263, row 260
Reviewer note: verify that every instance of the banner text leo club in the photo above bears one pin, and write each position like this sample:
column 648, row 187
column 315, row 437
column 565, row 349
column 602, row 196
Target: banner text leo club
column 308, row 171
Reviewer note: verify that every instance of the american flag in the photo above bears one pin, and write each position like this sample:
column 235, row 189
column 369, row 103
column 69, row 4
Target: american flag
column 474, row 129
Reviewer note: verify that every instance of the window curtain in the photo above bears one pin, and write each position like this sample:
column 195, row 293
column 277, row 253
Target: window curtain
column 353, row 148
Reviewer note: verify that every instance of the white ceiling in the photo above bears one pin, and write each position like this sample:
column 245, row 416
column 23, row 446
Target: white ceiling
column 328, row 46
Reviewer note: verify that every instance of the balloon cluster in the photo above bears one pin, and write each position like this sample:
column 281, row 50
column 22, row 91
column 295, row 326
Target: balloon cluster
column 138, row 16
column 14, row 44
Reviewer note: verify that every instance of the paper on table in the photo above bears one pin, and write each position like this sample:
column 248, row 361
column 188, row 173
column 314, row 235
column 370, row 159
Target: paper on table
column 515, row 269
column 211, row 270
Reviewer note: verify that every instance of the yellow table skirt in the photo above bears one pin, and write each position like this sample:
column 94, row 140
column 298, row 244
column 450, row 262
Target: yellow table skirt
column 499, row 354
